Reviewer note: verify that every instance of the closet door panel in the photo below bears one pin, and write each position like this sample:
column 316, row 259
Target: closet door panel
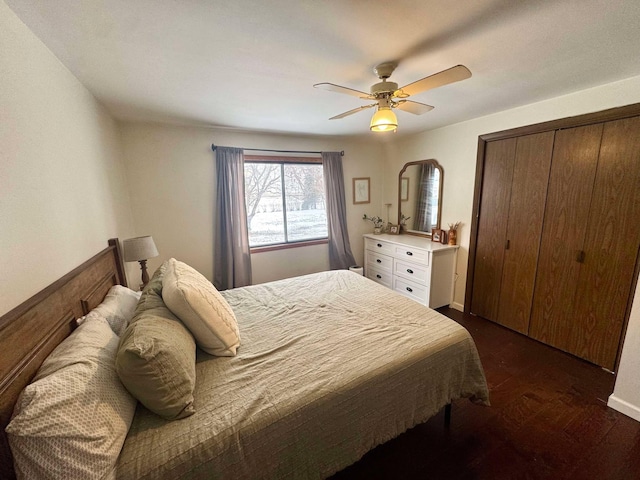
column 492, row 226
column 526, row 212
column 573, row 169
column 611, row 246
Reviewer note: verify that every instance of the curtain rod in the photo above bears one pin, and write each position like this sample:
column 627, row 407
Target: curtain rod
column 214, row 146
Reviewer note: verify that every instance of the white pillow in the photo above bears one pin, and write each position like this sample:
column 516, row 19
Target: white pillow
column 72, row 420
column 118, row 307
column 194, row 299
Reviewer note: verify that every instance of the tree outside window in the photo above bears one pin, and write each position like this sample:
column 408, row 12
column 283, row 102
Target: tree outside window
column 285, row 202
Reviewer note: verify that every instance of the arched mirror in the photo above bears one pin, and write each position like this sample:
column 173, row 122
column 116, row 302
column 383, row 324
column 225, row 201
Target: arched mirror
column 420, row 196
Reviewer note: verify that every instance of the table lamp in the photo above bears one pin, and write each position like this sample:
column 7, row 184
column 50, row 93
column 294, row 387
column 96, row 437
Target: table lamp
column 139, row 249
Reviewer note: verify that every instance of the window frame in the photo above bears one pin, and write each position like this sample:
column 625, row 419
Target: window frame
column 281, row 160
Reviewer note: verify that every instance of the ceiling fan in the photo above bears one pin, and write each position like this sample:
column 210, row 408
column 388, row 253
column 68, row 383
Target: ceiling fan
column 387, row 94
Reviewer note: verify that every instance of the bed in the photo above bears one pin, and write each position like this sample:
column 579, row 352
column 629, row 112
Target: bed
column 330, row 365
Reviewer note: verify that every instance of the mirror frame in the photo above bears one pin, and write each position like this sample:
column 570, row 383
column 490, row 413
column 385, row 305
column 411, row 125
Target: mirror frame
column 435, row 163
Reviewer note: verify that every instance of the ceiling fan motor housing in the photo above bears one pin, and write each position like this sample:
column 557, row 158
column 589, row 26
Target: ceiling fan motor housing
column 383, row 89
column 384, row 70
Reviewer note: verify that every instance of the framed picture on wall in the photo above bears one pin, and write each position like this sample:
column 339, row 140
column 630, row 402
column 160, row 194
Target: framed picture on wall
column 361, row 190
column 404, row 189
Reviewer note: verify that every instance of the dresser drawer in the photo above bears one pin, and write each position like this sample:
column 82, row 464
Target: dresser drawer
column 412, row 271
column 383, row 277
column 378, row 246
column 381, row 261
column 419, row 293
column 408, row 253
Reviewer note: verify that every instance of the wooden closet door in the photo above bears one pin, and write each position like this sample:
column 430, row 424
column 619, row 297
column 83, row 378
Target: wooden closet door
column 573, row 169
column 492, row 226
column 526, row 212
column 611, row 246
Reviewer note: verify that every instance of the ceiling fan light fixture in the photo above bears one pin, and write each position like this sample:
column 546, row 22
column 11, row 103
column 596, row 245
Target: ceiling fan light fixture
column 384, row 120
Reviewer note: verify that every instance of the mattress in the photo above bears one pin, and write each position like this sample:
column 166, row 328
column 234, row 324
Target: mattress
column 330, row 365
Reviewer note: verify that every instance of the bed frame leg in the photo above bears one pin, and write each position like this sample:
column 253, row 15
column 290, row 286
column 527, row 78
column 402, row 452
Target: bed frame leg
column 447, row 415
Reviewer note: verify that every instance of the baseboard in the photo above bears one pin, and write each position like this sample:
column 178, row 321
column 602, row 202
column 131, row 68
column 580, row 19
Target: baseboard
column 457, row 306
column 624, row 407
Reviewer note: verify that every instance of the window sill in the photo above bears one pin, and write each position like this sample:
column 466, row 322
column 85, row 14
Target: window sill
column 285, row 246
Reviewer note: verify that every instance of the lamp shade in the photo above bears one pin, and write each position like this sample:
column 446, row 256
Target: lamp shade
column 139, row 248
column 384, row 120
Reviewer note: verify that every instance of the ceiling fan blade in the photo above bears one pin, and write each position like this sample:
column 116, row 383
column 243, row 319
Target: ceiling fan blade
column 351, row 112
column 416, row 108
column 445, row 77
column 338, row 89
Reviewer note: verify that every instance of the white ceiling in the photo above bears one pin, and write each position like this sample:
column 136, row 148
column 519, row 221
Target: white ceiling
column 251, row 64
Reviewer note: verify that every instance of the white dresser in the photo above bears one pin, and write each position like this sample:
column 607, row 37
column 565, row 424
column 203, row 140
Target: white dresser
column 413, row 266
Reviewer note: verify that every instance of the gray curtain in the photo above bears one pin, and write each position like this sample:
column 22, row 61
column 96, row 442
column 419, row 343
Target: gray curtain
column 424, row 208
column 340, row 256
column 231, row 258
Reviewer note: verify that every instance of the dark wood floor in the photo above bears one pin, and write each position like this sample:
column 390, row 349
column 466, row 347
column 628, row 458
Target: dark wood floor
column 548, row 420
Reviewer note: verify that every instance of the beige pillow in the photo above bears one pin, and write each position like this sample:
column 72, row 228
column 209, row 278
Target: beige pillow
column 71, row 421
column 195, row 300
column 156, row 359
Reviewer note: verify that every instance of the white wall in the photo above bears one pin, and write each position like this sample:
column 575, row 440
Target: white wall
column 455, row 147
column 173, row 193
column 626, row 394
column 62, row 183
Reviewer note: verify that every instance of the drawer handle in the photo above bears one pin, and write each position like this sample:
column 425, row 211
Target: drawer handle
column 409, row 289
column 378, row 276
column 380, row 245
column 409, row 253
column 409, row 270
column 379, row 261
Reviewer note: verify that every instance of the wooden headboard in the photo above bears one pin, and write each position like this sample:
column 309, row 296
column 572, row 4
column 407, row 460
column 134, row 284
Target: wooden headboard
column 29, row 332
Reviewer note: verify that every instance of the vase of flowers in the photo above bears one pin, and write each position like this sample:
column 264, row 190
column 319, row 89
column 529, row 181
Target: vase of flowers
column 377, row 223
column 453, row 233
column 403, row 222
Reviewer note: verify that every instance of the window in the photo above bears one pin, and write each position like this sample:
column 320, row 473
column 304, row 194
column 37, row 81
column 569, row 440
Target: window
column 285, row 200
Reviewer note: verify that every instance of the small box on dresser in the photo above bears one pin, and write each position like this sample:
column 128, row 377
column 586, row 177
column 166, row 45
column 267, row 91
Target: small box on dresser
column 413, row 266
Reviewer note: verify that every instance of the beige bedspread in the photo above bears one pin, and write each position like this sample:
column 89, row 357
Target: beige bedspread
column 330, row 365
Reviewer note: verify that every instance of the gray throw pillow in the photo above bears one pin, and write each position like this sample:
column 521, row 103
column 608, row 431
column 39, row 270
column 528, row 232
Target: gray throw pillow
column 156, row 358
